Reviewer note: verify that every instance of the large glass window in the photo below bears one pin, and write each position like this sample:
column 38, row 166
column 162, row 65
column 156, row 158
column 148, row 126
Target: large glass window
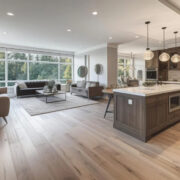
column 2, row 70
column 39, row 57
column 124, row 66
column 2, row 55
column 65, row 72
column 40, row 71
column 17, row 56
column 16, row 66
column 17, row 70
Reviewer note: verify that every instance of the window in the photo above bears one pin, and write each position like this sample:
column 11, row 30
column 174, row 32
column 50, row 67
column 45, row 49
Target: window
column 124, row 66
column 65, row 72
column 17, row 71
column 2, row 84
column 39, row 57
column 2, row 70
column 16, row 66
column 66, row 60
column 17, row 56
column 40, row 71
column 2, row 55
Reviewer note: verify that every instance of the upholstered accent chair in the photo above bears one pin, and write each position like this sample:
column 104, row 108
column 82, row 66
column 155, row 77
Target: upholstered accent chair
column 88, row 89
column 4, row 104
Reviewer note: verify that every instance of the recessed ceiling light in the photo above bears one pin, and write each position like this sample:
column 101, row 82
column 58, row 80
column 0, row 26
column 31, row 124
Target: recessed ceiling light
column 95, row 13
column 110, row 38
column 137, row 36
column 4, row 33
column 68, row 30
column 10, row 14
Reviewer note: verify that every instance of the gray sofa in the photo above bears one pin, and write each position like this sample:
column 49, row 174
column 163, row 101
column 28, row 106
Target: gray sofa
column 88, row 89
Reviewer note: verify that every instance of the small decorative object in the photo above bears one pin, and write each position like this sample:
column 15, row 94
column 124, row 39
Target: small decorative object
column 69, row 82
column 82, row 71
column 50, row 85
column 98, row 70
column 54, row 89
column 46, row 89
column 148, row 55
column 164, row 57
column 140, row 75
column 149, row 83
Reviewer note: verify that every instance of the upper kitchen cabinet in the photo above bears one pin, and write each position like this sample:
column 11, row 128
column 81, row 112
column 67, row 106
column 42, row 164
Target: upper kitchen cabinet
column 153, row 64
column 172, row 51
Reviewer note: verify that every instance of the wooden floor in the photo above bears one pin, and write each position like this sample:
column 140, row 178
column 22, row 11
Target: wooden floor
column 80, row 144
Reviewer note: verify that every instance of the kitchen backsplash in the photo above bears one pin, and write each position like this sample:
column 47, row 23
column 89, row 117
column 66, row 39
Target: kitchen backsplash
column 174, row 75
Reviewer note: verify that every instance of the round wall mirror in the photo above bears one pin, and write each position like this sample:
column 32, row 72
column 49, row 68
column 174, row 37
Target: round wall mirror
column 82, row 71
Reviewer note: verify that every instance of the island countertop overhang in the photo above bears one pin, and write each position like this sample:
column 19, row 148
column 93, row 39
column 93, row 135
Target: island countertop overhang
column 149, row 91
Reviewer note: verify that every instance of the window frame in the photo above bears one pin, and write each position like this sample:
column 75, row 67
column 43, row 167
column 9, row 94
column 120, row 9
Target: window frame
column 28, row 61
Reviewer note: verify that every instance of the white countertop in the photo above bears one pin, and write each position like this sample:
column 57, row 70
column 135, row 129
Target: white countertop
column 149, row 91
column 171, row 82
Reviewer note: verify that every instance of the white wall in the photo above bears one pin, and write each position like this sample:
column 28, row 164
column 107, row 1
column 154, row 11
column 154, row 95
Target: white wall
column 139, row 64
column 112, row 54
column 98, row 56
column 107, row 57
column 78, row 61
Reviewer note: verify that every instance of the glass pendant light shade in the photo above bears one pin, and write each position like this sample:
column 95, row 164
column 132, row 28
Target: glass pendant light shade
column 164, row 57
column 175, row 58
column 148, row 55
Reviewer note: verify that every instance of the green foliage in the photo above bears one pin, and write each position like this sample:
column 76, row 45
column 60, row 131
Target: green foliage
column 40, row 71
column 17, row 71
column 37, row 70
column 2, row 71
column 67, row 72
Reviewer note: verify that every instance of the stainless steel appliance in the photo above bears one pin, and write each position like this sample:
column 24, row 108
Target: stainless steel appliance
column 174, row 102
column 151, row 74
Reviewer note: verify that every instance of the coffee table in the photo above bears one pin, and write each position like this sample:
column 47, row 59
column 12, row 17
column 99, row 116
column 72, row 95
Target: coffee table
column 46, row 95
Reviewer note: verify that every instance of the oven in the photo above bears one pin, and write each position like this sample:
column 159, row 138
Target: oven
column 174, row 102
column 151, row 74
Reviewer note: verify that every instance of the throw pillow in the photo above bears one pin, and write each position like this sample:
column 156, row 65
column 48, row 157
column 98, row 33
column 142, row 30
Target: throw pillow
column 22, row 85
column 81, row 84
column 88, row 84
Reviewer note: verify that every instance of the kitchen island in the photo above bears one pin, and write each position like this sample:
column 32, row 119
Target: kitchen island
column 142, row 112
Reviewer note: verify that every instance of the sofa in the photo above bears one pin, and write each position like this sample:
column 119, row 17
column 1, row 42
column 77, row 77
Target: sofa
column 4, row 104
column 90, row 89
column 31, row 87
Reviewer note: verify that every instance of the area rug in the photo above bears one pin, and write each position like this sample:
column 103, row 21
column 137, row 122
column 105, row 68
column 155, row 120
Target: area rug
column 36, row 105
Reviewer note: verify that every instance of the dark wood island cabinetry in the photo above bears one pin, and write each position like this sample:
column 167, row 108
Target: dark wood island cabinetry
column 144, row 114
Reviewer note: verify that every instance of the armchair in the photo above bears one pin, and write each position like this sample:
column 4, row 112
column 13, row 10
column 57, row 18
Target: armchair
column 4, row 104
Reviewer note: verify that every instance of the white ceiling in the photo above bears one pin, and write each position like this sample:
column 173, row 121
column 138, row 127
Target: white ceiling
column 43, row 23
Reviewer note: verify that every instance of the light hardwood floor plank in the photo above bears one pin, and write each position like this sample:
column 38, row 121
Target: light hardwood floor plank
column 80, row 144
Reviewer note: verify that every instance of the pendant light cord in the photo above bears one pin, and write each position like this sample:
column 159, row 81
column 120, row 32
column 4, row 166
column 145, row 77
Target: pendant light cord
column 175, row 33
column 147, row 36
column 164, row 37
column 147, row 23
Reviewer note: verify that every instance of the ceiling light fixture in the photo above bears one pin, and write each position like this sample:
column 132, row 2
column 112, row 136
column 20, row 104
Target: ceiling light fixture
column 148, row 55
column 10, row 14
column 137, row 37
column 176, row 57
column 95, row 13
column 110, row 38
column 69, row 30
column 164, row 57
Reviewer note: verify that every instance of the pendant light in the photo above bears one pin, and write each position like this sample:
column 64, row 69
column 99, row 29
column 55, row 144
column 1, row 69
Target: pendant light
column 175, row 58
column 164, row 57
column 148, row 55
